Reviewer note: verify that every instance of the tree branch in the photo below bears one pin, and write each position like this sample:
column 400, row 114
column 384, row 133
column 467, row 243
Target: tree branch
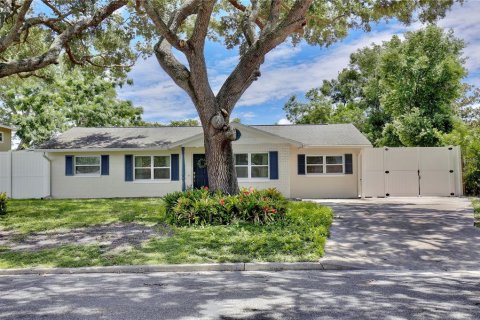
column 162, row 27
column 242, row 8
column 174, row 68
column 202, row 21
column 14, row 35
column 275, row 7
column 51, row 55
column 247, row 70
column 249, row 23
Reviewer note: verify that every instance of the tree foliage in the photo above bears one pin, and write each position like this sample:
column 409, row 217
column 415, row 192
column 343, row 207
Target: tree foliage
column 401, row 93
column 184, row 123
column 39, row 108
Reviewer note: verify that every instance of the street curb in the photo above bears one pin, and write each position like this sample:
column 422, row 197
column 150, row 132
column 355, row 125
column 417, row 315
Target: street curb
column 260, row 266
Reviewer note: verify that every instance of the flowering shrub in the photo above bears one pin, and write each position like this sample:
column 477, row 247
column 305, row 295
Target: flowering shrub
column 201, row 207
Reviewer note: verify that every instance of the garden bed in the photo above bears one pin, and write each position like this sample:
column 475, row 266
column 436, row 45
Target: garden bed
column 104, row 232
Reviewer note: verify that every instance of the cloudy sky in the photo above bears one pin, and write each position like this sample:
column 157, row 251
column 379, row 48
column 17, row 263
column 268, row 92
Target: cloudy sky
column 287, row 71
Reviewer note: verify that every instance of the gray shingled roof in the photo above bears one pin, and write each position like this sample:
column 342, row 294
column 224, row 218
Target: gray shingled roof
column 120, row 138
column 164, row 137
column 319, row 135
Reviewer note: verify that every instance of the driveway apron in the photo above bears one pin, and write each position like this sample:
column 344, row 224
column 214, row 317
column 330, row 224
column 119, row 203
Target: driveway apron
column 404, row 233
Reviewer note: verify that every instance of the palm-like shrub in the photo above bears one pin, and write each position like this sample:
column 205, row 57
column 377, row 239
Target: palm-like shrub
column 200, row 207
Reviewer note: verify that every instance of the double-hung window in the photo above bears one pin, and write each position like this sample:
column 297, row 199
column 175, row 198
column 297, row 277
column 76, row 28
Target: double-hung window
column 87, row 165
column 252, row 165
column 152, row 167
column 324, row 164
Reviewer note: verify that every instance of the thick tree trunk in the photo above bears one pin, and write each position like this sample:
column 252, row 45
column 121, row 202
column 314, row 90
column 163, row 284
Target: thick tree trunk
column 220, row 162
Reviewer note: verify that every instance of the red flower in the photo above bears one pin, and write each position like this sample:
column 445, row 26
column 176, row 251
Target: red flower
column 205, row 188
column 273, row 210
column 222, row 202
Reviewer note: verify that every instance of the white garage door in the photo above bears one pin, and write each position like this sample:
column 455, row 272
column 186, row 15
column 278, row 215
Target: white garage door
column 411, row 172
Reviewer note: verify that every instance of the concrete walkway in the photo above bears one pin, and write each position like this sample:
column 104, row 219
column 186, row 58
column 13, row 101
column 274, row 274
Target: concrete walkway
column 404, row 233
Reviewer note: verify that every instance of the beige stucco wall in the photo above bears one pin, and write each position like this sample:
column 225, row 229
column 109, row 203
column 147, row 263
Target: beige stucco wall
column 114, row 185
column 111, row 186
column 6, row 145
column 324, row 186
column 289, row 183
column 283, row 182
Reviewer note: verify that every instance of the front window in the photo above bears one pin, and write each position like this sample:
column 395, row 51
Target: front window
column 259, row 163
column 315, row 164
column 152, row 168
column 253, row 165
column 1, row 137
column 324, row 164
column 241, row 165
column 87, row 165
column 334, row 164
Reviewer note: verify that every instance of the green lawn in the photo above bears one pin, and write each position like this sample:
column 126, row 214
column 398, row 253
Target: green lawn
column 476, row 207
column 301, row 237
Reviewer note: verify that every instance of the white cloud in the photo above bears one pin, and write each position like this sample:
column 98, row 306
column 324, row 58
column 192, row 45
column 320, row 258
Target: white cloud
column 280, row 81
column 464, row 21
column 156, row 92
column 284, row 121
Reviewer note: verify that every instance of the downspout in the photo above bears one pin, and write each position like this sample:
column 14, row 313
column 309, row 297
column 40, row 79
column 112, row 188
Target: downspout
column 11, row 174
column 49, row 174
column 184, row 187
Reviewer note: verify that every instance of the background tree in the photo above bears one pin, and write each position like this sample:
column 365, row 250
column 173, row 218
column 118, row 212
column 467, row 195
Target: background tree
column 255, row 28
column 184, row 123
column 41, row 108
column 400, row 93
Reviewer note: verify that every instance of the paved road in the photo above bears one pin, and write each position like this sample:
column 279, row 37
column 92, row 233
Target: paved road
column 244, row 295
column 404, row 233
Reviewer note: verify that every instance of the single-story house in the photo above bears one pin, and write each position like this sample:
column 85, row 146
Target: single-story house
column 302, row 161
column 5, row 137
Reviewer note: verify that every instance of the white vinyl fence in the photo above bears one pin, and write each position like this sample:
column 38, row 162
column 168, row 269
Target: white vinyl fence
column 24, row 174
column 411, row 172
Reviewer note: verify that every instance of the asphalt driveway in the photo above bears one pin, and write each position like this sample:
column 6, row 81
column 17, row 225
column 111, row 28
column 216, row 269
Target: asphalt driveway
column 404, row 233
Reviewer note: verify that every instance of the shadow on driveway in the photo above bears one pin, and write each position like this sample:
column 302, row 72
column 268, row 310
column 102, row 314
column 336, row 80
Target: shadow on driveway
column 404, row 233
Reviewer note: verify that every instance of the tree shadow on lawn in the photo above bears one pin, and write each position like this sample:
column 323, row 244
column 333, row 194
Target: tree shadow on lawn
column 242, row 295
column 113, row 236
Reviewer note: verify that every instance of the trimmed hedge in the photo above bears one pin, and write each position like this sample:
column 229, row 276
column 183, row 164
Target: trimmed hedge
column 201, row 207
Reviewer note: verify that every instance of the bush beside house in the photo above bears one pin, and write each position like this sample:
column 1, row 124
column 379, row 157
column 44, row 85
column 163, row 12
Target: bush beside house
column 3, row 203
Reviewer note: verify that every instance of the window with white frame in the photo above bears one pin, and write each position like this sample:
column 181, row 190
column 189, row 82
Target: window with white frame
column 152, row 167
column 1, row 137
column 87, row 165
column 252, row 165
column 324, row 164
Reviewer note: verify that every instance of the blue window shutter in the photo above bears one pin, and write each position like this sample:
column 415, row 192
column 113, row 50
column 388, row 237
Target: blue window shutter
column 301, row 164
column 128, row 167
column 273, row 165
column 175, row 167
column 69, row 165
column 105, row 165
column 348, row 164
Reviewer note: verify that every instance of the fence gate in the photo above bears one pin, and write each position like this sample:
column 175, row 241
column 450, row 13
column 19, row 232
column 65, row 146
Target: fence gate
column 411, row 172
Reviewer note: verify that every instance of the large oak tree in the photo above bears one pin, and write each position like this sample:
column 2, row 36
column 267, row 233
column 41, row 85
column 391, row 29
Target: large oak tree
column 97, row 33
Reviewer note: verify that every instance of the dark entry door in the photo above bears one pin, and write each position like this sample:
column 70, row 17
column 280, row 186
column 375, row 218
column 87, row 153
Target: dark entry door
column 200, row 175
